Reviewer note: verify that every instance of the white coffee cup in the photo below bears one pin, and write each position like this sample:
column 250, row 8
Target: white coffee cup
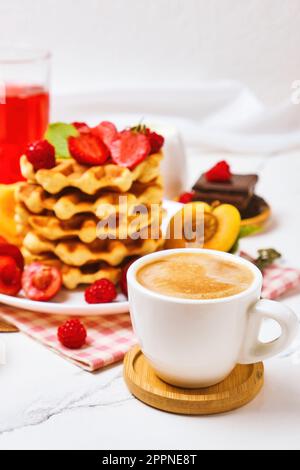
column 197, row 343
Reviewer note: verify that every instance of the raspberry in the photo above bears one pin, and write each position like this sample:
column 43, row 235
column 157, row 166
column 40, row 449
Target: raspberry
column 101, row 292
column 88, row 149
column 72, row 334
column 156, row 141
column 41, row 154
column 219, row 173
column 186, row 198
column 123, row 281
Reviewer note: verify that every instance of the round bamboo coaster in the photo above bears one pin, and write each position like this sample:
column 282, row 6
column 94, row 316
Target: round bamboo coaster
column 237, row 390
column 7, row 328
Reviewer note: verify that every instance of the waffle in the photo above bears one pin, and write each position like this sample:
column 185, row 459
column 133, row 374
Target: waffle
column 72, row 201
column 69, row 173
column 86, row 227
column 75, row 253
column 88, row 220
column 74, row 276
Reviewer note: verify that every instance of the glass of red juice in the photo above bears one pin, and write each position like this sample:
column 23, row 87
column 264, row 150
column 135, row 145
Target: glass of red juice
column 24, row 105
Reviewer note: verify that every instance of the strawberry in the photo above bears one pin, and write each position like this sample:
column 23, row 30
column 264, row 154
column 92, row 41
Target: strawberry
column 10, row 276
column 88, row 149
column 123, row 280
column 130, row 149
column 82, row 127
column 107, row 132
column 6, row 249
column 2, row 240
column 41, row 282
column 156, row 141
column 219, row 173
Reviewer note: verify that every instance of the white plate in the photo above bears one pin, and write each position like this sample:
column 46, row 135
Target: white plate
column 73, row 302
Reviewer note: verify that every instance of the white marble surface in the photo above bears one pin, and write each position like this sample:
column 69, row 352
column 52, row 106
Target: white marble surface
column 48, row 403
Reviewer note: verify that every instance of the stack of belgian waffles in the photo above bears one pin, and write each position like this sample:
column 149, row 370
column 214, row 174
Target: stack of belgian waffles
column 62, row 214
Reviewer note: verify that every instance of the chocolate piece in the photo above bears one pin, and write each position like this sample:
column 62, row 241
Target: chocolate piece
column 240, row 201
column 238, row 191
column 237, row 184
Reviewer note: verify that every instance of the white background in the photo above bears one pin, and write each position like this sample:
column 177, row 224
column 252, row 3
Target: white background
column 121, row 43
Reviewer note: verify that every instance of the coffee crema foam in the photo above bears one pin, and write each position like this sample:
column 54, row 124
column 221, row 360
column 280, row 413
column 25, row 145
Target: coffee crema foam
column 195, row 276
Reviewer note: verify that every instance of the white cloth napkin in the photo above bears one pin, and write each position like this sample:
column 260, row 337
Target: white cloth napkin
column 223, row 115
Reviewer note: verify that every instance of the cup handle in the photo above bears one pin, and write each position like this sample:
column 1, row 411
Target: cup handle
column 254, row 350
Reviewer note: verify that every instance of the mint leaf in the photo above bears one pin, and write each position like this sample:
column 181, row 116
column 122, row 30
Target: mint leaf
column 57, row 134
column 266, row 258
column 249, row 230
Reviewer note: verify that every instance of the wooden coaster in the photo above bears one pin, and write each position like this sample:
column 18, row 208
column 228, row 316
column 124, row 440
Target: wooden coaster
column 237, row 390
column 7, row 328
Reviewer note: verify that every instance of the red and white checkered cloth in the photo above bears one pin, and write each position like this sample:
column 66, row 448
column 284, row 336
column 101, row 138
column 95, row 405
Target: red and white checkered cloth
column 277, row 279
column 109, row 337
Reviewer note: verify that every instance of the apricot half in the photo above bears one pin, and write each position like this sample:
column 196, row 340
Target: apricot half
column 7, row 213
column 199, row 225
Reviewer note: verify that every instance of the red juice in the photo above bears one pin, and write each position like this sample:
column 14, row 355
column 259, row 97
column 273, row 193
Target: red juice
column 24, row 118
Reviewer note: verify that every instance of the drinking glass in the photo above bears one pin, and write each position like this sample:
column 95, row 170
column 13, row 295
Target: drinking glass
column 24, row 104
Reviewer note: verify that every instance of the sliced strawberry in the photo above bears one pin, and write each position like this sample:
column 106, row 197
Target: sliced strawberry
column 10, row 276
column 130, row 149
column 41, row 282
column 6, row 249
column 88, row 149
column 107, row 132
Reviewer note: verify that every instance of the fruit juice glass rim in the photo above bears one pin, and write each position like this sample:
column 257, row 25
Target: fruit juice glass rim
column 256, row 284
column 22, row 54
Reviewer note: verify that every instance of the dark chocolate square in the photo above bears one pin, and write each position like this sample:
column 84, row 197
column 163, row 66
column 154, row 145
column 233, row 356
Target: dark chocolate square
column 237, row 184
column 238, row 191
